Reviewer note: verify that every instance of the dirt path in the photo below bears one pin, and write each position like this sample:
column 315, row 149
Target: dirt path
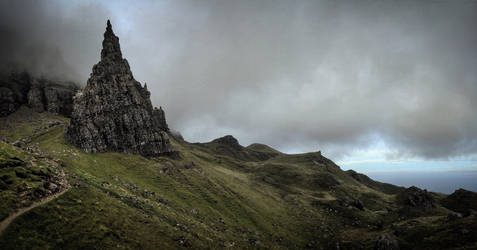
column 4, row 224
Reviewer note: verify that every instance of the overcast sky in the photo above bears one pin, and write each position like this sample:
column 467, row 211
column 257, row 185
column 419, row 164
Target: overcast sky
column 354, row 79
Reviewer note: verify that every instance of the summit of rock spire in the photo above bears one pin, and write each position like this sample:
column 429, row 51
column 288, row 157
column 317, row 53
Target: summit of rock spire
column 111, row 48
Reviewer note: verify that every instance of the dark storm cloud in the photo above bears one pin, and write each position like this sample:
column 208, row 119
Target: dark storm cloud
column 50, row 38
column 298, row 75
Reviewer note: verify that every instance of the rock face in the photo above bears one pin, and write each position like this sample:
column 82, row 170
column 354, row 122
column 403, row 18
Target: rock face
column 114, row 112
column 40, row 94
column 53, row 97
column 160, row 118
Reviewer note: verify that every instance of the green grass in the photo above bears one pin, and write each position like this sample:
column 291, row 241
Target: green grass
column 21, row 183
column 228, row 198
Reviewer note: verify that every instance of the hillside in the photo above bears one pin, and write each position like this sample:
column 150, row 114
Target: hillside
column 209, row 195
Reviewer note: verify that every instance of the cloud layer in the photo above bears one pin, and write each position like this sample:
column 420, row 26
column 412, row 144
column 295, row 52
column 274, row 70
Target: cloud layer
column 334, row 76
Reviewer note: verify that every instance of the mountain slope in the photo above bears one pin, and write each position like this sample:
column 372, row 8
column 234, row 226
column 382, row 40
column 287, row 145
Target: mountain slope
column 213, row 195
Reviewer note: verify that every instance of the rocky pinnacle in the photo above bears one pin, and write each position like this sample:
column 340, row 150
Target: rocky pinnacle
column 114, row 112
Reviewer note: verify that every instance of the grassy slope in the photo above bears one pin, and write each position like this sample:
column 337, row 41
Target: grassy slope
column 201, row 200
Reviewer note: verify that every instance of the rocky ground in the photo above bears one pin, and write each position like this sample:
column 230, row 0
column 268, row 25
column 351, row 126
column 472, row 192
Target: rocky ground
column 213, row 195
column 27, row 174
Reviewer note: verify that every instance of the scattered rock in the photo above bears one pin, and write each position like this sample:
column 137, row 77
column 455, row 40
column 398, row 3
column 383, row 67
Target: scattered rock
column 358, row 204
column 230, row 244
column 253, row 242
column 163, row 201
column 51, row 186
column 386, row 242
column 146, row 193
column 130, row 186
column 183, row 241
column 190, row 165
column 453, row 216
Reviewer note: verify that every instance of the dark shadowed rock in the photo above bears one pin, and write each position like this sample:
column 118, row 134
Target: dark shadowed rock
column 159, row 117
column 13, row 90
column 386, row 242
column 358, row 204
column 228, row 140
column 453, row 216
column 114, row 112
column 417, row 198
column 228, row 145
column 40, row 94
column 51, row 96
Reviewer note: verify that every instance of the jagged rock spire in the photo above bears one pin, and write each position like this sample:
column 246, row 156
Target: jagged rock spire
column 112, row 61
column 111, row 48
column 114, row 112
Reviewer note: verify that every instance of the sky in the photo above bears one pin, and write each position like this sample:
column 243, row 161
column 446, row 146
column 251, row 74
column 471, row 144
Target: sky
column 375, row 85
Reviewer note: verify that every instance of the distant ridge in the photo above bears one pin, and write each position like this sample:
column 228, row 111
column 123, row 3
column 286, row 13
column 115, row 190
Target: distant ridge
column 263, row 148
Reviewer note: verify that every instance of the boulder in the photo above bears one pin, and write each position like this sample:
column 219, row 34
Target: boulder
column 358, row 204
column 386, row 242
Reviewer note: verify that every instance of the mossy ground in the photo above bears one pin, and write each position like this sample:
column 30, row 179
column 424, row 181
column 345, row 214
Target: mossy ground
column 201, row 199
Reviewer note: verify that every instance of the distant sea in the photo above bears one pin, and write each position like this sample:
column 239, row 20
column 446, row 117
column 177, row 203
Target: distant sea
column 439, row 181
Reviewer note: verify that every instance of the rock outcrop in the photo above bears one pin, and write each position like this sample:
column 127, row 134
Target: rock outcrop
column 114, row 112
column 40, row 94
column 45, row 95
column 230, row 141
column 229, row 145
column 160, row 118
column 417, row 198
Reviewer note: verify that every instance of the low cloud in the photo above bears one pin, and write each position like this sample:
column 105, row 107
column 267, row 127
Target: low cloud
column 300, row 76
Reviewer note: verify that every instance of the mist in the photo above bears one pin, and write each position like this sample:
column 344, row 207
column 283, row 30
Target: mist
column 334, row 76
